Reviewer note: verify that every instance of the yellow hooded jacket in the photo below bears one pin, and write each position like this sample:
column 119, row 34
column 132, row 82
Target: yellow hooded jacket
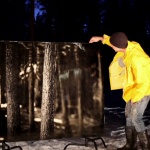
column 134, row 76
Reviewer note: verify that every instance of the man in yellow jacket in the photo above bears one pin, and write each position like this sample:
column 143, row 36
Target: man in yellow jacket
column 130, row 71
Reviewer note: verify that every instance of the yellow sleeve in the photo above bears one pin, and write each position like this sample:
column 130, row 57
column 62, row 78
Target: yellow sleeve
column 106, row 40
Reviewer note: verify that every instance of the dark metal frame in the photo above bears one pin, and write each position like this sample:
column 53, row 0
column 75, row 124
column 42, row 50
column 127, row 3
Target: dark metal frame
column 7, row 147
column 87, row 139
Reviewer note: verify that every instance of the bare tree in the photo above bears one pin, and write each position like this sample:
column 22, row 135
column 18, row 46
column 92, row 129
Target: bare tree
column 12, row 78
column 78, row 84
column 31, row 91
column 32, row 20
column 47, row 108
column 100, row 98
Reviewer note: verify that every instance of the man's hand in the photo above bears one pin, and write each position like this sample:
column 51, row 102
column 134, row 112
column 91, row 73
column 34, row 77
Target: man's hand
column 96, row 39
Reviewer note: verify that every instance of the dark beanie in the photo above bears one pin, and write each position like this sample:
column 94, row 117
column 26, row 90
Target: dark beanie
column 119, row 39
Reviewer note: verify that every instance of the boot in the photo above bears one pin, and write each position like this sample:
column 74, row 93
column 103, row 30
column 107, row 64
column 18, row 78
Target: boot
column 144, row 140
column 131, row 139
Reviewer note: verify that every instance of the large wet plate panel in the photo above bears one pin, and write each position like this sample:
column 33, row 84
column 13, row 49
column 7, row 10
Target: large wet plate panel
column 58, row 87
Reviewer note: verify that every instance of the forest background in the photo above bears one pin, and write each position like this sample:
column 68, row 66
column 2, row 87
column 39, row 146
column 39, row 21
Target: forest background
column 75, row 21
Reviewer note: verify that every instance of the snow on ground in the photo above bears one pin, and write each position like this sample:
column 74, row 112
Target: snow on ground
column 59, row 144
column 114, row 135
